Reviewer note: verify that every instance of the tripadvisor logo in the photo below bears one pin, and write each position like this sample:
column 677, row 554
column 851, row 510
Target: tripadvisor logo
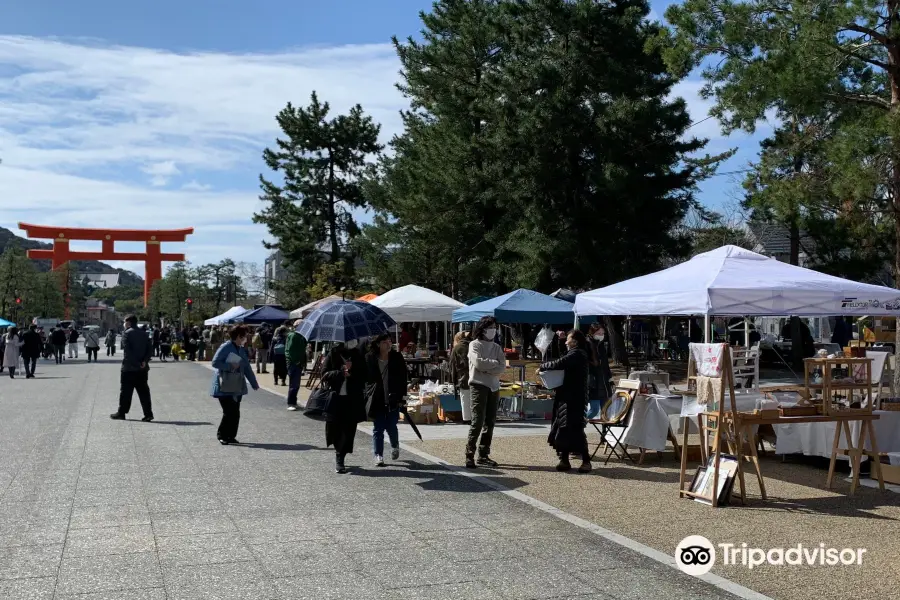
column 696, row 555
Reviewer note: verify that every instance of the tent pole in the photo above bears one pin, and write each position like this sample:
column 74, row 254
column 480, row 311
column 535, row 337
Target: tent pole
column 706, row 328
column 747, row 332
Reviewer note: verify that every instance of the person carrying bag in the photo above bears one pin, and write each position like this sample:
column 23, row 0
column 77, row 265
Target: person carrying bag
column 229, row 382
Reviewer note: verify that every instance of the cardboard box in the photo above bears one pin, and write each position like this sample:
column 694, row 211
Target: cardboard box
column 891, row 473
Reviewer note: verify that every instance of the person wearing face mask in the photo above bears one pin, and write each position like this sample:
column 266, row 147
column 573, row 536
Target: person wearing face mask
column 232, row 357
column 385, row 392
column 601, row 374
column 567, row 430
column 486, row 363
column 344, row 370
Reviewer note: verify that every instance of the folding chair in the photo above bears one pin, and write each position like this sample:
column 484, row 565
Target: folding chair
column 616, row 413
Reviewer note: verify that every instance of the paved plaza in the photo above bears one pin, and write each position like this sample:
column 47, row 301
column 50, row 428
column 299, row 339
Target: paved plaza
column 95, row 509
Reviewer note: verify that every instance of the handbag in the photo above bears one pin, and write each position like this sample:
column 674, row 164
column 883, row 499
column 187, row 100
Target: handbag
column 231, row 382
column 320, row 401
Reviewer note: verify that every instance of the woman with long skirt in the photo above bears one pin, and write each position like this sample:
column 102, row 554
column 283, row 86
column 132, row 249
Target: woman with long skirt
column 231, row 402
column 344, row 371
column 567, row 431
column 277, row 354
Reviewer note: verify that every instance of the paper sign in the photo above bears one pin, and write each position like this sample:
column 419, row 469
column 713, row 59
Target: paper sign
column 708, row 358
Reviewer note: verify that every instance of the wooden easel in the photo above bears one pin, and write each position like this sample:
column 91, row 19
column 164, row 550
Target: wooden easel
column 723, row 422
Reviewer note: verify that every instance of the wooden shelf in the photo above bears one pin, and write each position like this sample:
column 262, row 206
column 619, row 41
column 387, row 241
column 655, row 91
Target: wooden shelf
column 840, row 386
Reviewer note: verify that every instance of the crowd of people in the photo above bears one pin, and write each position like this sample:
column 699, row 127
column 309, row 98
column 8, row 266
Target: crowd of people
column 365, row 379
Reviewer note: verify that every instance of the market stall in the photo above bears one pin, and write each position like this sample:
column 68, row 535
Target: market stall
column 305, row 310
column 231, row 313
column 520, row 306
column 263, row 314
column 732, row 281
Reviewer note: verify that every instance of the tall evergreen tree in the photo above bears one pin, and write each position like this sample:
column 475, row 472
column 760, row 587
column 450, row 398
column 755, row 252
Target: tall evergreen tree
column 320, row 161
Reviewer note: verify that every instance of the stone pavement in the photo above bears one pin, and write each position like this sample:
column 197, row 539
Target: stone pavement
column 95, row 509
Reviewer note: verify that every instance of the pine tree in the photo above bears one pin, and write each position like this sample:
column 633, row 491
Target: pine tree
column 320, row 161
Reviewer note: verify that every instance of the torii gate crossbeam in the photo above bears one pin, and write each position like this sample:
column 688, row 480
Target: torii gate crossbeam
column 153, row 258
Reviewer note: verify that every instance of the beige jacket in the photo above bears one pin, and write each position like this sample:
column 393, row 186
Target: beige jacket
column 486, row 363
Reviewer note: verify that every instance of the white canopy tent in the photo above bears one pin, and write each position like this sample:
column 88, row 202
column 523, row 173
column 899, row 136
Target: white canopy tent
column 228, row 314
column 732, row 281
column 414, row 304
column 303, row 311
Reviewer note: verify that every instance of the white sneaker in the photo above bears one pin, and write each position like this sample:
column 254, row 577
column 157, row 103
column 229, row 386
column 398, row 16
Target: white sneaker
column 395, row 453
column 292, row 407
column 379, row 460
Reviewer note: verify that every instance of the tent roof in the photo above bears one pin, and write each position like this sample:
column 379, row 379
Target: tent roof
column 734, row 281
column 367, row 298
column 303, row 311
column 228, row 314
column 414, row 304
column 263, row 314
column 5, row 323
column 520, row 306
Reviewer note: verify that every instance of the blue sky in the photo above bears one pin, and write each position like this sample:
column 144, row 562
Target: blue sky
column 153, row 114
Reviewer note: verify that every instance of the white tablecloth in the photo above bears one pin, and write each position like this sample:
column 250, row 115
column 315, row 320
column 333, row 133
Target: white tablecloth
column 653, row 417
column 815, row 439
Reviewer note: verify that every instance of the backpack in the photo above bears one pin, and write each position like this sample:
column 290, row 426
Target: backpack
column 279, row 347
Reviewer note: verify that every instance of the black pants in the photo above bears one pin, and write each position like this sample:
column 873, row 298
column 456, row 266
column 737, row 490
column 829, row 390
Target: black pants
column 135, row 381
column 30, row 364
column 92, row 352
column 60, row 350
column 156, row 350
column 111, row 350
column 231, row 417
column 484, row 415
column 295, row 372
column 281, row 369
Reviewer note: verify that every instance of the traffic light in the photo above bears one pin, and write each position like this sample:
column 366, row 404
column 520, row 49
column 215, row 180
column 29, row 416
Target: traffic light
column 18, row 302
column 189, row 303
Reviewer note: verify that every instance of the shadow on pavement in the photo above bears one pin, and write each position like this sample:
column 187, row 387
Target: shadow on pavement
column 437, row 478
column 287, row 447
column 183, row 423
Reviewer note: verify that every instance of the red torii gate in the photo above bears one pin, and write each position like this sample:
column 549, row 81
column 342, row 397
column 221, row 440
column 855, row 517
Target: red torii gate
column 153, row 258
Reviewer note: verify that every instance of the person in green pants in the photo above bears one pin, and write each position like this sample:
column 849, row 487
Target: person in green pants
column 486, row 363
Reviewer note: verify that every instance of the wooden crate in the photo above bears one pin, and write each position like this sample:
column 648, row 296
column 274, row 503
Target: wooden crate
column 891, row 473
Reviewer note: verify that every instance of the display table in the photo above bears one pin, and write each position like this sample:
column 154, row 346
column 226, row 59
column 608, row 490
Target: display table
column 854, row 447
column 814, row 439
column 654, row 418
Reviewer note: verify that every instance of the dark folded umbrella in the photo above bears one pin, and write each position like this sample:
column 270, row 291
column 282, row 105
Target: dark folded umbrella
column 405, row 413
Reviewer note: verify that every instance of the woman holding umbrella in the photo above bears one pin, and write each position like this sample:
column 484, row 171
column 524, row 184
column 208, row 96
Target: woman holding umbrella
column 344, row 372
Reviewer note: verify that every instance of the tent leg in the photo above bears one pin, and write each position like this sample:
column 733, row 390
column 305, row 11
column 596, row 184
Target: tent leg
column 746, row 333
column 706, row 328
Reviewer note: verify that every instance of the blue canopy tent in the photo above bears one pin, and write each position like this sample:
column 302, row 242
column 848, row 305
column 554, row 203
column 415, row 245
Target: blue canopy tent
column 520, row 306
column 5, row 323
column 263, row 314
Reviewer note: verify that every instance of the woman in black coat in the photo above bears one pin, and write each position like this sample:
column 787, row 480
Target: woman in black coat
column 344, row 371
column 567, row 431
column 385, row 392
column 601, row 374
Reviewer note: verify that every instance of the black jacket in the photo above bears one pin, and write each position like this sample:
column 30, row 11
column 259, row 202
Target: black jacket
column 397, row 383
column 138, row 349
column 600, row 373
column 58, row 337
column 73, row 337
column 31, row 344
column 352, row 407
column 567, row 430
column 459, row 365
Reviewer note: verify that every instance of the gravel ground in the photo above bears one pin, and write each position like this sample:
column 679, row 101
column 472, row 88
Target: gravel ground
column 642, row 503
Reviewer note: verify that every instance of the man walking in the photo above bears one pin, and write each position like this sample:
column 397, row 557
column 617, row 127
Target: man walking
column 156, row 342
column 261, row 345
column 58, row 340
column 137, row 347
column 91, row 344
column 295, row 353
column 31, row 350
column 73, row 342
column 111, row 342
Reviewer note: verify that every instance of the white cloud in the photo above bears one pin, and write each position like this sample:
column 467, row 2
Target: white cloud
column 160, row 173
column 98, row 135
column 196, row 186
